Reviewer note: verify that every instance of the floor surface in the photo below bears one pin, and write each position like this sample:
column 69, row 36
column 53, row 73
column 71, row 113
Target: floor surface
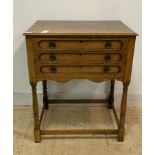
column 60, row 117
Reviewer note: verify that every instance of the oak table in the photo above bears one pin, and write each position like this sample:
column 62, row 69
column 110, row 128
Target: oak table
column 93, row 50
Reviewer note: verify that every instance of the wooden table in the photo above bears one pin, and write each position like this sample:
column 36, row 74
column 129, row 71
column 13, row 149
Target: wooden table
column 93, row 50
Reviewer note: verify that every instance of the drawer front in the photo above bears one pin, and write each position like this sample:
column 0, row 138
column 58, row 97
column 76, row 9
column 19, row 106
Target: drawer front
column 79, row 57
column 54, row 70
column 50, row 44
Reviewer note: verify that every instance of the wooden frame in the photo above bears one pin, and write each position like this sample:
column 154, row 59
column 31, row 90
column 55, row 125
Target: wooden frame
column 96, row 35
column 119, row 121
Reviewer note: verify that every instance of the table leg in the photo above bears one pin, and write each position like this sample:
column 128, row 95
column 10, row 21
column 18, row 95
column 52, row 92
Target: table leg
column 111, row 97
column 36, row 114
column 45, row 97
column 121, row 129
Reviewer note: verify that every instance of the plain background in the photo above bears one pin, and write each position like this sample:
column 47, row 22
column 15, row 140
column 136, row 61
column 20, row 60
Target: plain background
column 6, row 82
column 27, row 12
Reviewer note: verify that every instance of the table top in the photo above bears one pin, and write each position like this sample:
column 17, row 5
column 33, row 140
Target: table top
column 80, row 28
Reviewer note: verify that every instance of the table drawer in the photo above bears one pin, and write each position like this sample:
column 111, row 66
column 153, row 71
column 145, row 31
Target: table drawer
column 43, row 70
column 51, row 44
column 80, row 57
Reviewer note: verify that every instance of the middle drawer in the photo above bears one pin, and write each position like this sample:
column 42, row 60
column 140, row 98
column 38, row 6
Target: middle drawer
column 79, row 57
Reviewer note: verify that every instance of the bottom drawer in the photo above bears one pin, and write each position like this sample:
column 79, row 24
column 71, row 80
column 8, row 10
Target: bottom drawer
column 53, row 70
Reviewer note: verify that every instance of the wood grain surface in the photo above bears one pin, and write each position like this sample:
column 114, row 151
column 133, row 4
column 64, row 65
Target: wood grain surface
column 79, row 27
column 80, row 37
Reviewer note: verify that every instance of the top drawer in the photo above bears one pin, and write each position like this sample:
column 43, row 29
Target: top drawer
column 51, row 44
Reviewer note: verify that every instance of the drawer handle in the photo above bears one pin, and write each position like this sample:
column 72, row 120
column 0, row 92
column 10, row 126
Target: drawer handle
column 107, row 57
column 108, row 44
column 53, row 69
column 52, row 57
column 52, row 44
column 106, row 69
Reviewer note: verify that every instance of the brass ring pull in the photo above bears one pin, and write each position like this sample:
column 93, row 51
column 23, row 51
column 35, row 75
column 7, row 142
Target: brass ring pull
column 52, row 57
column 106, row 69
column 53, row 69
column 107, row 57
column 52, row 44
column 108, row 45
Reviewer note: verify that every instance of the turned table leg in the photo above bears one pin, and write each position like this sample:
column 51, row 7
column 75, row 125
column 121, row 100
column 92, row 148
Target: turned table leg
column 36, row 114
column 121, row 129
column 45, row 97
column 111, row 97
